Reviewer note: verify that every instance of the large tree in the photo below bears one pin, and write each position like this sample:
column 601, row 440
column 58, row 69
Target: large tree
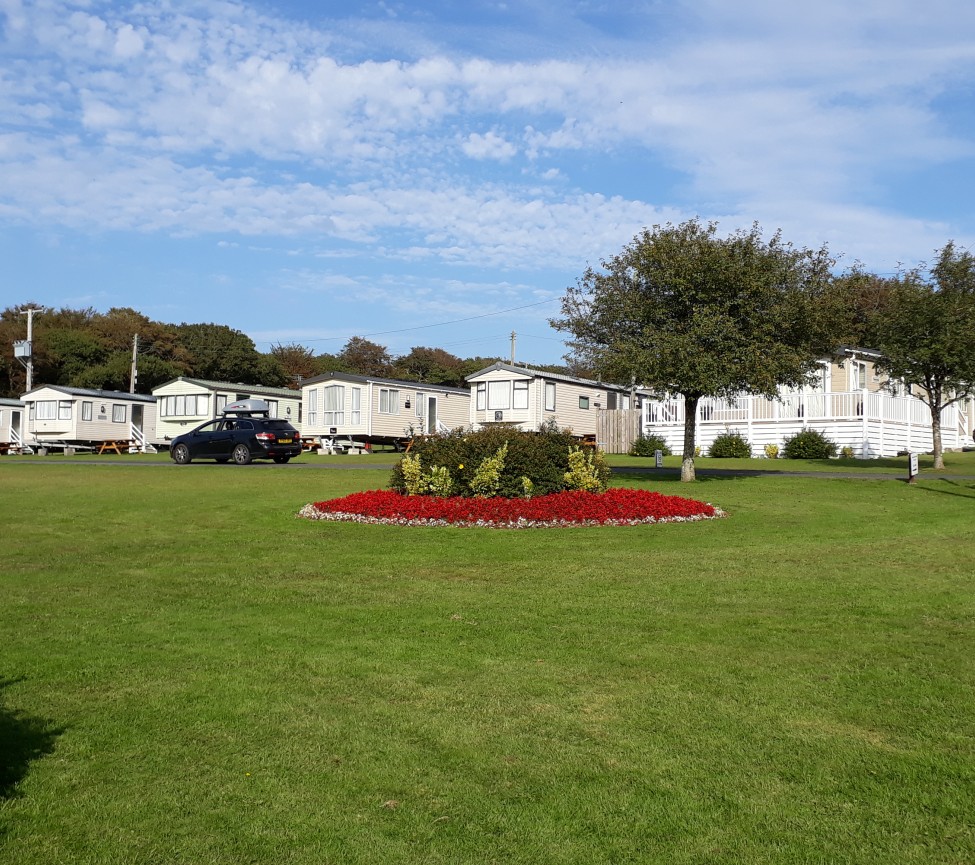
column 687, row 312
column 366, row 358
column 431, row 365
column 926, row 333
column 297, row 362
column 221, row 353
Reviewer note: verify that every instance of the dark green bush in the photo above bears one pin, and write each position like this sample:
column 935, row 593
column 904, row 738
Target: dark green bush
column 542, row 457
column 646, row 446
column 810, row 444
column 730, row 445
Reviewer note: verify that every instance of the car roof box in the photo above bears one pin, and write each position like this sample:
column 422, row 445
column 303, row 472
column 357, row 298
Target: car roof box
column 247, row 406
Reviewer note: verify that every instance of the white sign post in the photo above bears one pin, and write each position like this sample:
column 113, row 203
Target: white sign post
column 912, row 468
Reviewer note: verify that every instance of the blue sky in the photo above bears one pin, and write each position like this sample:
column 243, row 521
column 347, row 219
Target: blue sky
column 437, row 173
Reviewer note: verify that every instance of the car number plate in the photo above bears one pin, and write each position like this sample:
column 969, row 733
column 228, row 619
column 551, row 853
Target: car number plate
column 284, row 441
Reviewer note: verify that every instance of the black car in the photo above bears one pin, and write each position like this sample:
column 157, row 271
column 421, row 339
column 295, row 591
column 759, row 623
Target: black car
column 245, row 432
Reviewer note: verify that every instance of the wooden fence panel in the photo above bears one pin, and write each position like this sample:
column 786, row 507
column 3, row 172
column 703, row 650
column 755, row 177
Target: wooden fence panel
column 617, row 429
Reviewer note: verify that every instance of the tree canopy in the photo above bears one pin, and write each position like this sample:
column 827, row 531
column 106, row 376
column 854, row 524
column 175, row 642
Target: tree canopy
column 925, row 331
column 687, row 312
column 86, row 348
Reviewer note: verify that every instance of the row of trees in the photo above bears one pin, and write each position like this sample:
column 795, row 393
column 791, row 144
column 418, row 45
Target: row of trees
column 685, row 311
column 85, row 348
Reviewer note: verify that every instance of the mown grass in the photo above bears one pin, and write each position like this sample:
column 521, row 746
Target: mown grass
column 193, row 675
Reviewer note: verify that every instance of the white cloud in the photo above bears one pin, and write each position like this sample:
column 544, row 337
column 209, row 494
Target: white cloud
column 490, row 145
column 213, row 118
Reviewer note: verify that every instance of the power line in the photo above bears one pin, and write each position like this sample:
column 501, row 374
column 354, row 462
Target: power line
column 426, row 326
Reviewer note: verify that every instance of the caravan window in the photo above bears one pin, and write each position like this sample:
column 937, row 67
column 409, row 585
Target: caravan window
column 64, row 410
column 333, row 405
column 520, row 395
column 86, row 411
column 46, row 409
column 550, row 396
column 499, row 394
column 313, row 407
column 388, row 401
column 356, row 405
column 118, row 414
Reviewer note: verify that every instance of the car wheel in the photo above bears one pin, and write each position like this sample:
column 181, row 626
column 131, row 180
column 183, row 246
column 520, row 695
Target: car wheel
column 241, row 455
column 181, row 455
column 280, row 460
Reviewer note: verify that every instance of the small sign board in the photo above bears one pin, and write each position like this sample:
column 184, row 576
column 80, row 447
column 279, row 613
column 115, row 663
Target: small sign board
column 499, row 415
column 658, row 459
column 911, row 467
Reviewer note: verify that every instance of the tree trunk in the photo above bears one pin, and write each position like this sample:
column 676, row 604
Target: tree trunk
column 690, row 437
column 939, row 457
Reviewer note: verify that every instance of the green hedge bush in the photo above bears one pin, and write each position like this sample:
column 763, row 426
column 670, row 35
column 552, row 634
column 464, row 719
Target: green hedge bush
column 730, row 445
column 810, row 444
column 531, row 463
column 647, row 446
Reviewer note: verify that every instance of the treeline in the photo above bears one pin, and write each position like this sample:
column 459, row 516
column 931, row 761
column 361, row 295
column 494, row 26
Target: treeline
column 86, row 348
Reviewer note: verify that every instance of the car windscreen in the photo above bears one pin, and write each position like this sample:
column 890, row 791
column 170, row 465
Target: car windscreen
column 277, row 424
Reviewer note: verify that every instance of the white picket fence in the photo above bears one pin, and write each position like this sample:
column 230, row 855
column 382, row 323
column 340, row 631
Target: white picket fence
column 873, row 424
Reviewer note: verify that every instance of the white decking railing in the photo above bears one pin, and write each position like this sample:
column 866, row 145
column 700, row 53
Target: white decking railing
column 873, row 424
column 139, row 443
column 17, row 443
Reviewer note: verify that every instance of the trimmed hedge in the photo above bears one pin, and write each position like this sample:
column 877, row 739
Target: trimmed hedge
column 730, row 445
column 647, row 446
column 810, row 444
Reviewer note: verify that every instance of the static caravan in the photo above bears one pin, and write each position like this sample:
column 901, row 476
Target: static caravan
column 185, row 403
column 529, row 398
column 851, row 402
column 370, row 410
column 58, row 415
column 12, row 414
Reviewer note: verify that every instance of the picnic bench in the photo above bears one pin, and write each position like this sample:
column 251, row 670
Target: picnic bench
column 116, row 446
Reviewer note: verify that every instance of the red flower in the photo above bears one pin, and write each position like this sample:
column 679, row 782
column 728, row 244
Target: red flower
column 616, row 506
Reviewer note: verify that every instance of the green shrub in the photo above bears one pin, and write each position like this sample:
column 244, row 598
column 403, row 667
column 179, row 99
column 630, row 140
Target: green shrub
column 846, row 452
column 647, row 446
column 810, row 444
column 583, row 473
column 526, row 463
column 772, row 451
column 730, row 445
column 487, row 477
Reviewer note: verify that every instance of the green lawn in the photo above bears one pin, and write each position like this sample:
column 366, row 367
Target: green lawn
column 191, row 675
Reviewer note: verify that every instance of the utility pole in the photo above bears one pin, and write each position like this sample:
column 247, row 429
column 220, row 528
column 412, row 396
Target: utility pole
column 134, row 374
column 514, row 336
column 24, row 351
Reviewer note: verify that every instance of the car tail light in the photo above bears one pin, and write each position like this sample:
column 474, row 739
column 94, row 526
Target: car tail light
column 265, row 437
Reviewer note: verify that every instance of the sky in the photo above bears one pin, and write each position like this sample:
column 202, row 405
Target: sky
column 438, row 173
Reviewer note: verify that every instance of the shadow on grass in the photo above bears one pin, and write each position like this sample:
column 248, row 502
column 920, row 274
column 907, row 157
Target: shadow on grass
column 673, row 475
column 963, row 491
column 23, row 739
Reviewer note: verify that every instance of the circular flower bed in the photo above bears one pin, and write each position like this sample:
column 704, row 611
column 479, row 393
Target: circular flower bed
column 617, row 506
